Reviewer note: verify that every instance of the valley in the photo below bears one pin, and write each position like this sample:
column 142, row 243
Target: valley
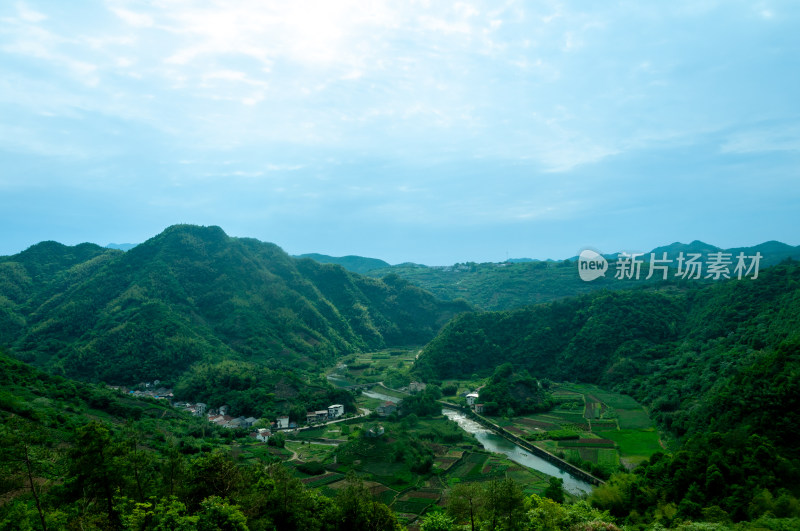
column 665, row 404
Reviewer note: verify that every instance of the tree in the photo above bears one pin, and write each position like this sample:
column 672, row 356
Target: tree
column 465, row 502
column 277, row 440
column 213, row 474
column 357, row 510
column 169, row 514
column 504, row 507
column 23, row 453
column 555, row 490
column 218, row 515
column 94, row 470
column 139, row 463
column 436, row 521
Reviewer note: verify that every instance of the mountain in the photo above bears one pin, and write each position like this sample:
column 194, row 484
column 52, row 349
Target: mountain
column 192, row 294
column 506, row 285
column 717, row 366
column 522, row 282
column 695, row 247
column 355, row 264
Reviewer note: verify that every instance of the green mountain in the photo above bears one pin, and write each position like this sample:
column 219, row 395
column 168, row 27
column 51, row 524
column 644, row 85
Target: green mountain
column 355, row 264
column 193, row 294
column 501, row 286
column 717, row 366
column 516, row 283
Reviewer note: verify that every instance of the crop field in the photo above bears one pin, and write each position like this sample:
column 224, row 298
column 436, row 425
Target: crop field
column 634, row 419
column 311, row 451
column 597, row 425
column 635, row 445
column 325, row 479
column 587, row 443
column 594, row 414
column 539, row 424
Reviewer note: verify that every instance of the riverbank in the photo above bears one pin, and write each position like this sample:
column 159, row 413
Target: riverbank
column 575, row 480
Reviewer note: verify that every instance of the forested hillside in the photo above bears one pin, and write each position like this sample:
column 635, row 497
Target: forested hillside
column 717, row 366
column 80, row 456
column 515, row 284
column 194, row 294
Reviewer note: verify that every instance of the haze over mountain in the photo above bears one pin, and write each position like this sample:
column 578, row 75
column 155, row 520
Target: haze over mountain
column 522, row 282
column 356, row 264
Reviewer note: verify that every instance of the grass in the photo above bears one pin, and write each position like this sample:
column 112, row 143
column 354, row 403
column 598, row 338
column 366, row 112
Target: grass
column 635, row 445
column 311, row 451
column 633, row 419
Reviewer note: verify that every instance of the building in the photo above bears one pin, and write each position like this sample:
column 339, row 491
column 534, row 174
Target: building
column 386, row 409
column 335, row 411
column 374, row 431
column 415, row 387
column 283, row 423
column 479, row 409
column 471, row 398
column 262, row 435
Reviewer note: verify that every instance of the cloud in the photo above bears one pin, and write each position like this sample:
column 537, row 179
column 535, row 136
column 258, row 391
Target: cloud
column 132, row 18
column 763, row 139
column 29, row 15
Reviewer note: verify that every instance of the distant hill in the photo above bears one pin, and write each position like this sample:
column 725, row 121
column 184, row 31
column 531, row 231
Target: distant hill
column 121, row 246
column 356, row 264
column 193, row 294
column 518, row 283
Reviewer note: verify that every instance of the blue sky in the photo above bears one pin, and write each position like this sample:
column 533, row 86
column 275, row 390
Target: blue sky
column 427, row 131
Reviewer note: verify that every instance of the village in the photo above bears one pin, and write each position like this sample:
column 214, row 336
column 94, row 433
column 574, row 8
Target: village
column 220, row 416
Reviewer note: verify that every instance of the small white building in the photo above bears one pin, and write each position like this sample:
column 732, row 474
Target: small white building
column 283, row 423
column 471, row 398
column 335, row 411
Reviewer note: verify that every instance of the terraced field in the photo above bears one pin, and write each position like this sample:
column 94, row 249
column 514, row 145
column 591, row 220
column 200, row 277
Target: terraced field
column 590, row 427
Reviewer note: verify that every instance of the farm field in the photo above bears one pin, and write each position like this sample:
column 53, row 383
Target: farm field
column 635, row 445
column 392, row 465
column 390, row 366
column 594, row 429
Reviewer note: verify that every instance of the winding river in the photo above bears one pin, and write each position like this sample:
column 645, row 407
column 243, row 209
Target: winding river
column 495, row 443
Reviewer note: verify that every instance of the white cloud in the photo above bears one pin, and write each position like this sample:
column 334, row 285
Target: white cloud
column 138, row 20
column 29, row 15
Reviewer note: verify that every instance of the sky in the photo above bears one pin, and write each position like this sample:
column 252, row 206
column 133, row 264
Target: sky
column 431, row 131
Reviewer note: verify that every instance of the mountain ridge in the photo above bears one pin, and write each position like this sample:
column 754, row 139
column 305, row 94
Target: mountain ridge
column 191, row 294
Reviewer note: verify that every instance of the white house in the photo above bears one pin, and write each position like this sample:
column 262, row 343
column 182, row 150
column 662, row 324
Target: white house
column 283, row 423
column 471, row 398
column 335, row 411
column 415, row 387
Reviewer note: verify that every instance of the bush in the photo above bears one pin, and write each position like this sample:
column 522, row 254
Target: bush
column 312, row 468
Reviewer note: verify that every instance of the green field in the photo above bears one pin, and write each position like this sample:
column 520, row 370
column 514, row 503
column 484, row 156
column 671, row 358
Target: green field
column 633, row 419
column 635, row 445
column 610, row 412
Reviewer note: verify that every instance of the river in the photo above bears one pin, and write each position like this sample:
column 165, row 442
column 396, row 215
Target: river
column 494, row 443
